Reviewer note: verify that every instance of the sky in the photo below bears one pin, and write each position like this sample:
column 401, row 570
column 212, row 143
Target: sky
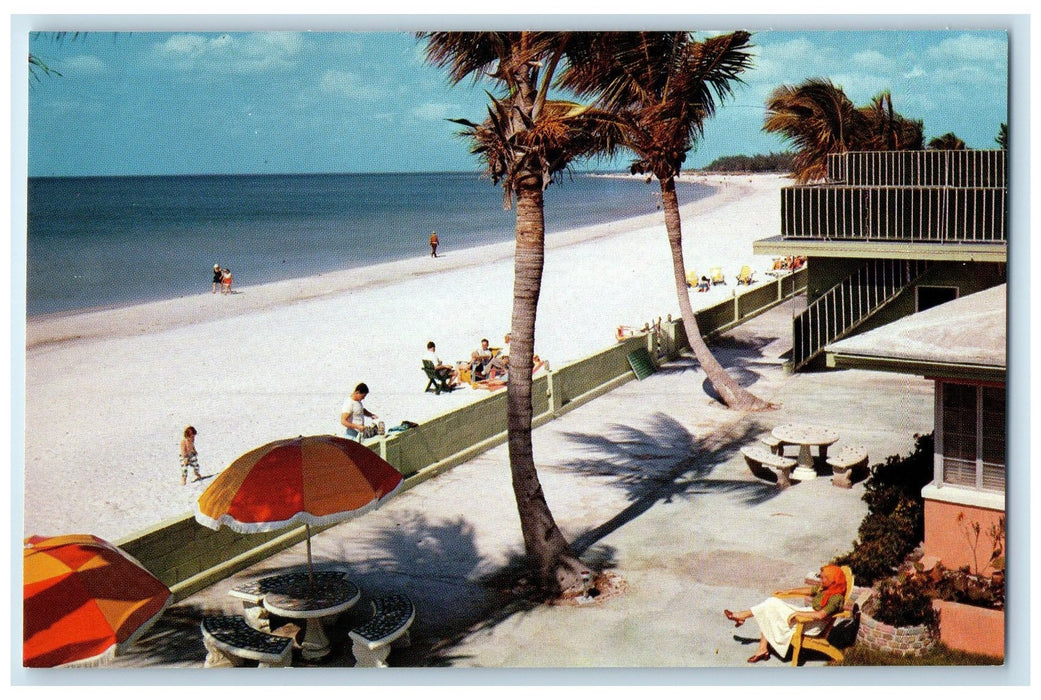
column 199, row 102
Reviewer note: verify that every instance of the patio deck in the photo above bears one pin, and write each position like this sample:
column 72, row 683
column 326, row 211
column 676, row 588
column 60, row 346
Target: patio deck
column 646, row 481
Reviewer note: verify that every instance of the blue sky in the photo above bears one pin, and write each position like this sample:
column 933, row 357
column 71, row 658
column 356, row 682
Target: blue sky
column 285, row 102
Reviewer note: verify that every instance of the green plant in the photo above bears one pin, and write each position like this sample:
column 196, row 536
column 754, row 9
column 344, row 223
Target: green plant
column 895, row 522
column 904, row 601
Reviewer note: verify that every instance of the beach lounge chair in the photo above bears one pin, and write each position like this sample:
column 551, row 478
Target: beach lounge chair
column 745, row 276
column 820, row 642
column 716, row 275
column 437, row 381
column 692, row 278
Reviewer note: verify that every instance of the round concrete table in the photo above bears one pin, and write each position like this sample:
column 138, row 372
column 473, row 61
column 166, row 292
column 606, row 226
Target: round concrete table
column 805, row 436
column 291, row 596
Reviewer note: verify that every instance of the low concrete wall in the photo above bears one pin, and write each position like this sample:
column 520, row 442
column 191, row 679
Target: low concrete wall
column 971, row 629
column 189, row 557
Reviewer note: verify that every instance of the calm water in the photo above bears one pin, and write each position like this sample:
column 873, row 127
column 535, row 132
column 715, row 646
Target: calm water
column 101, row 241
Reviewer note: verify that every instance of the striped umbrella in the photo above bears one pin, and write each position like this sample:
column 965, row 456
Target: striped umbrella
column 83, row 598
column 314, row 480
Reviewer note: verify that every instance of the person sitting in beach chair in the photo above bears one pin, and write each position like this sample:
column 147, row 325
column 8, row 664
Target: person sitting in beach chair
column 745, row 276
column 499, row 364
column 716, row 275
column 692, row 279
column 704, row 284
column 447, row 375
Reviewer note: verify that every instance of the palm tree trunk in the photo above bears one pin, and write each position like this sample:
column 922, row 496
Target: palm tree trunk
column 733, row 394
column 550, row 557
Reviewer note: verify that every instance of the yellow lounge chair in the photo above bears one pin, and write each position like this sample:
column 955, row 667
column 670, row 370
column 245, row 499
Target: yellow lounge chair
column 820, row 642
column 745, row 276
column 692, row 279
column 715, row 274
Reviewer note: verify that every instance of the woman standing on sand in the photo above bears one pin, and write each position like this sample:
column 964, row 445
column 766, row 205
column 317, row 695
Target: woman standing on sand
column 225, row 283
column 218, row 277
column 433, row 244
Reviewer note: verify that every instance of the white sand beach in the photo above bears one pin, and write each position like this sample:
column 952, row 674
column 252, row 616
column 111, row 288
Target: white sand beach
column 108, row 392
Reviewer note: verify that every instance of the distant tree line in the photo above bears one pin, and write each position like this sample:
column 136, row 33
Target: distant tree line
column 760, row 163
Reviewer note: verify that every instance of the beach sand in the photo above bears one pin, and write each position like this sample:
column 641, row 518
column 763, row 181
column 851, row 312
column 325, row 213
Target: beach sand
column 108, row 392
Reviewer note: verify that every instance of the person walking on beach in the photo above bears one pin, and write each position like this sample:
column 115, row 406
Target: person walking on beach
column 225, row 282
column 433, row 244
column 218, row 277
column 353, row 414
column 189, row 457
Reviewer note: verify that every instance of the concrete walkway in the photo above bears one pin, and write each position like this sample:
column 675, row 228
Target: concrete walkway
column 648, row 482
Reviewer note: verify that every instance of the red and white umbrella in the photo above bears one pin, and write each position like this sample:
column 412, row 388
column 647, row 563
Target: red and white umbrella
column 82, row 599
column 314, row 480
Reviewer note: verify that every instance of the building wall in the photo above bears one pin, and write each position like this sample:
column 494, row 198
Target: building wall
column 950, row 538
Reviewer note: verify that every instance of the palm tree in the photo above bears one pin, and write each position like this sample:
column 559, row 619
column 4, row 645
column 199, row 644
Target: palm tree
column 526, row 142
column 662, row 86
column 886, row 130
column 1002, row 138
column 947, row 142
column 818, row 119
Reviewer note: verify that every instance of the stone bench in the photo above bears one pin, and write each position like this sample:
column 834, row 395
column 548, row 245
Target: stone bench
column 776, row 445
column 229, row 640
column 392, row 615
column 844, row 462
column 759, row 457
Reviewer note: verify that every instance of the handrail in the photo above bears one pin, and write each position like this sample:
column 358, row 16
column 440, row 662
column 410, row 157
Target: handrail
column 847, row 304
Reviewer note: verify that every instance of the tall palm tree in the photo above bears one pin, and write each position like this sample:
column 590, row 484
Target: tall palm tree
column 662, row 86
column 818, row 119
column 946, row 142
column 526, row 142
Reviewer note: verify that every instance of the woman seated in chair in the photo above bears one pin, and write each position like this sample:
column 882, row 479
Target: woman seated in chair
column 776, row 618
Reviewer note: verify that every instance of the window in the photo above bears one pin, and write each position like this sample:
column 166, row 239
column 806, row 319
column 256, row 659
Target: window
column 972, row 437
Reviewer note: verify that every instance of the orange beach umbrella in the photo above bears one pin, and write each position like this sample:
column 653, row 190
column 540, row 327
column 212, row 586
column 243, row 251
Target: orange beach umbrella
column 81, row 597
column 314, row 480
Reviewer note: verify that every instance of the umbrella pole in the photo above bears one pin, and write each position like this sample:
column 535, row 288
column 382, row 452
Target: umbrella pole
column 310, row 567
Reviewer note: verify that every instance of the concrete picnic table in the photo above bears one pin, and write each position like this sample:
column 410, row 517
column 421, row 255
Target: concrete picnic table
column 292, row 596
column 805, row 436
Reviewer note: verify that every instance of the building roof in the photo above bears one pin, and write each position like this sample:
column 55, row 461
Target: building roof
column 964, row 338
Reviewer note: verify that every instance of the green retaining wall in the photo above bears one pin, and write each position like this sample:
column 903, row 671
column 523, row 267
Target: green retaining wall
column 189, row 557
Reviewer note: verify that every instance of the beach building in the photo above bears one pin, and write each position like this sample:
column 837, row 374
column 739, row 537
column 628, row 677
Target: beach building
column 888, row 234
column 960, row 346
column 906, row 269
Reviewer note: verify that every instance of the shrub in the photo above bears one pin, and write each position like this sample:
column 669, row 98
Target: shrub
column 895, row 523
column 904, row 601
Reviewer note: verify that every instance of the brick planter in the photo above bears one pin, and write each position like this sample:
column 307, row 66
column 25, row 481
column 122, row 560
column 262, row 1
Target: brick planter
column 902, row 641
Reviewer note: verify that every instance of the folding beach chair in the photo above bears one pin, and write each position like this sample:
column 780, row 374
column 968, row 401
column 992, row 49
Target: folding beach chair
column 716, row 276
column 745, row 276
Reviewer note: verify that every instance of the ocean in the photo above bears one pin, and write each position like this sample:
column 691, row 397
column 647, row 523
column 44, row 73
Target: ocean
column 109, row 241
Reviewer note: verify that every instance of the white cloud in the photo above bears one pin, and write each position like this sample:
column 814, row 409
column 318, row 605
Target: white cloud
column 432, row 111
column 236, row 54
column 971, row 49
column 872, row 61
column 83, row 65
column 338, row 83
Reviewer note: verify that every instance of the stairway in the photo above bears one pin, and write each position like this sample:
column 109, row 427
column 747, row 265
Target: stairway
column 849, row 303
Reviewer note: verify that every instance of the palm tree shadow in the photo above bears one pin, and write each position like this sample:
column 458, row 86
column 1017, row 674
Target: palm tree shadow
column 659, row 463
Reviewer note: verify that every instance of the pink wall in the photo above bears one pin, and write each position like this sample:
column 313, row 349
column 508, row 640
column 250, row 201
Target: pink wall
column 971, row 629
column 948, row 538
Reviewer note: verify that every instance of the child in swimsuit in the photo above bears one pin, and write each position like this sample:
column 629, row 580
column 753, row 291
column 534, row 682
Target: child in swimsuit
column 189, row 457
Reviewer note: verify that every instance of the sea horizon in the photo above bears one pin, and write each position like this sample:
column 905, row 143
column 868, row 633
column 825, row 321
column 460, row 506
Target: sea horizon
column 103, row 241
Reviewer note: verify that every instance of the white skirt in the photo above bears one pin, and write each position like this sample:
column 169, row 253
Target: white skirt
column 772, row 617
